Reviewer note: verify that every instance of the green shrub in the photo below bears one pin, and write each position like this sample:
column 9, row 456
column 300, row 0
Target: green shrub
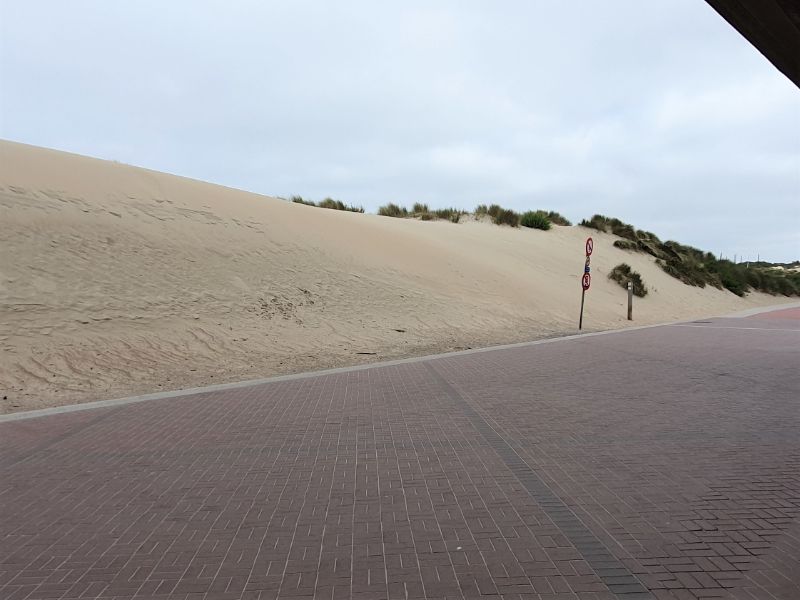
column 626, row 245
column 422, row 211
column 558, row 219
column 328, row 203
column 758, row 279
column 647, row 236
column 623, row 230
column 331, row 203
column 695, row 267
column 689, row 272
column 669, row 267
column 652, row 248
column 598, row 222
column 622, row 274
column 611, row 225
column 732, row 277
column 504, row 216
column 393, row 210
column 451, row 214
column 789, row 284
column 535, row 220
column 670, row 250
column 494, row 210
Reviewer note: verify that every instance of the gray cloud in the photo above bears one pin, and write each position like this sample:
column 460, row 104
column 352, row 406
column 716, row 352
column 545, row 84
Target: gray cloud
column 658, row 113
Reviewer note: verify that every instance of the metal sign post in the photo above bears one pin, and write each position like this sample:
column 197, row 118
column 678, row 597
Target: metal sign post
column 586, row 280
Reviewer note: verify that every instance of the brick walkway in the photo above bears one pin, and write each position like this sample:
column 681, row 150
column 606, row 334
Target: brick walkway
column 658, row 463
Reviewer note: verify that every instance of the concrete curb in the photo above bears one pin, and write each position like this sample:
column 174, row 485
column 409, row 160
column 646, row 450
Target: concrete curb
column 43, row 412
column 32, row 414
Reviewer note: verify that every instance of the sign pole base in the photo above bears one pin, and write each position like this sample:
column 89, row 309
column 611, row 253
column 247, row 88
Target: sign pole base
column 580, row 321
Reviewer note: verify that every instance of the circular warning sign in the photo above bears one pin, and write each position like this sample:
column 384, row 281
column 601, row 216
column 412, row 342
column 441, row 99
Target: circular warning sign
column 589, row 246
column 586, row 281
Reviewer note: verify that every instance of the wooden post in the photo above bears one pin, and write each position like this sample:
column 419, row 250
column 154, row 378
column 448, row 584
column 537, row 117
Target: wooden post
column 630, row 301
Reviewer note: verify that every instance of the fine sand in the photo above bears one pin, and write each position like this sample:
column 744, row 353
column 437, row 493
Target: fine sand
column 116, row 280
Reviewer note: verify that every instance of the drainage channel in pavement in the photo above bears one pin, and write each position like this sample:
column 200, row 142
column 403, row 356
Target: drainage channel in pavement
column 614, row 574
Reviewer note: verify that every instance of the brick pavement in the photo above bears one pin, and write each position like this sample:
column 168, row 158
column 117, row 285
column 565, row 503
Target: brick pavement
column 658, row 463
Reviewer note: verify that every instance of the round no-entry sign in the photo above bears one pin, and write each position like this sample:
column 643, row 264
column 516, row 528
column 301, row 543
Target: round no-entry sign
column 589, row 246
column 586, row 281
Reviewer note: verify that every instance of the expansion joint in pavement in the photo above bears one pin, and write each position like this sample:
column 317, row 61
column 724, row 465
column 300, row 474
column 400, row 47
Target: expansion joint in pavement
column 613, row 573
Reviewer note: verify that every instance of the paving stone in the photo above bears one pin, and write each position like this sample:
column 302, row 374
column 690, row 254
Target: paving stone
column 660, row 463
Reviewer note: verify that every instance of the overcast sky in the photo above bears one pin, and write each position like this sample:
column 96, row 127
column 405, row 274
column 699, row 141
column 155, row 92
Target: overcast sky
column 656, row 112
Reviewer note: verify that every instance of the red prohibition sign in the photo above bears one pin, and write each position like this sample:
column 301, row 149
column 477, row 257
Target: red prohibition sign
column 586, row 281
column 589, row 246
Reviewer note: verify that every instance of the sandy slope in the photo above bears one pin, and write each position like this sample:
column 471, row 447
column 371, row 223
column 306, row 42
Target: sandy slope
column 116, row 280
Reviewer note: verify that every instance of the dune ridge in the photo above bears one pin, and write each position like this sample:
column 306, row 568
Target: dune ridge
column 116, row 280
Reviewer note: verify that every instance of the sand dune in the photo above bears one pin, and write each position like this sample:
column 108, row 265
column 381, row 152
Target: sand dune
column 116, row 280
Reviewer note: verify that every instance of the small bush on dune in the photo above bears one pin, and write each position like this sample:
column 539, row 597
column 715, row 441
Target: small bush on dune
column 535, row 219
column 789, row 284
column 691, row 252
column 773, row 281
column 422, row 212
column 494, row 210
column 611, row 225
column 500, row 215
column 558, row 219
column 392, row 210
column 451, row 214
column 732, row 277
column 695, row 267
column 652, row 248
column 688, row 272
column 598, row 222
column 339, row 205
column 756, row 279
column 455, row 216
column 504, row 216
column 669, row 267
column 332, row 204
column 670, row 251
column 623, row 230
column 443, row 213
column 626, row 245
column 328, row 203
column 426, row 214
column 623, row 273
column 647, row 236
column 419, row 209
